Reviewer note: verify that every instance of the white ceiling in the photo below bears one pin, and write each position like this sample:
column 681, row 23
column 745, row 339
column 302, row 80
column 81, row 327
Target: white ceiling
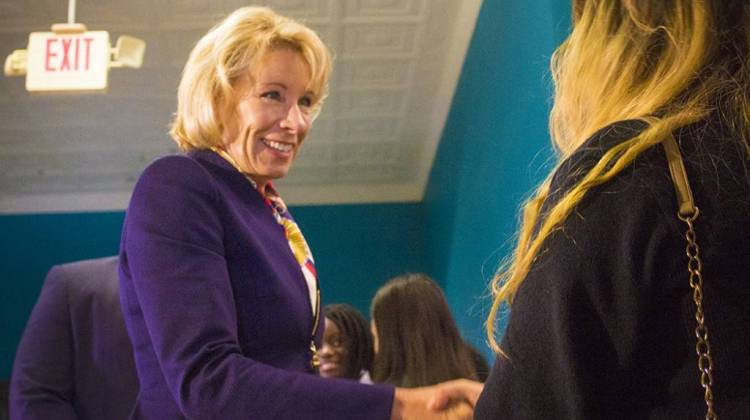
column 396, row 68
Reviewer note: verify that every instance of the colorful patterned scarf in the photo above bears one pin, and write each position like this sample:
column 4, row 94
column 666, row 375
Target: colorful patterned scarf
column 292, row 232
column 296, row 242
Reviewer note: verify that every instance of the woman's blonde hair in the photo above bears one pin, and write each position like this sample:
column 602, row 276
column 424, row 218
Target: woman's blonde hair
column 669, row 63
column 226, row 54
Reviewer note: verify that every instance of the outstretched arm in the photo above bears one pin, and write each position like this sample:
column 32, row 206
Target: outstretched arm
column 456, row 391
column 449, row 400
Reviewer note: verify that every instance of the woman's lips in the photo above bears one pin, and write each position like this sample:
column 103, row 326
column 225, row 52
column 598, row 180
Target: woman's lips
column 278, row 146
column 329, row 367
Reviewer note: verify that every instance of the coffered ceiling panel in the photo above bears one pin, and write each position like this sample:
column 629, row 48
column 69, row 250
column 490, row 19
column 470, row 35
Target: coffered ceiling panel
column 397, row 63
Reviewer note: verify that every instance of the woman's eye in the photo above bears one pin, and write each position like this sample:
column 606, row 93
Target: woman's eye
column 335, row 342
column 272, row 95
column 306, row 101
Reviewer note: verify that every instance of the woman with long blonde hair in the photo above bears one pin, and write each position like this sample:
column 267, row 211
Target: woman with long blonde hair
column 603, row 316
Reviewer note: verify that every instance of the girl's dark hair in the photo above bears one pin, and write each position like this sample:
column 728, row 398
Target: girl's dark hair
column 418, row 341
column 357, row 337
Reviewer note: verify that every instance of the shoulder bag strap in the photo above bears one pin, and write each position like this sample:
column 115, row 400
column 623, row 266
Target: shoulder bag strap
column 688, row 213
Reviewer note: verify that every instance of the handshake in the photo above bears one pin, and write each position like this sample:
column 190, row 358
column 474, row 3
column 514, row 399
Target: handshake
column 448, row 400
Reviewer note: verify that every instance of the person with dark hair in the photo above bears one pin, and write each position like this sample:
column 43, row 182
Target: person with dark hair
column 417, row 342
column 628, row 289
column 347, row 344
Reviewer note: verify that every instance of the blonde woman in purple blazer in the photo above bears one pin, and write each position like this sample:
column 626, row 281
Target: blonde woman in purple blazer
column 218, row 286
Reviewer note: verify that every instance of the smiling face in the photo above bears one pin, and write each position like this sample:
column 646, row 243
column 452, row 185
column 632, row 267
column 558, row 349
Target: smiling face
column 334, row 355
column 272, row 117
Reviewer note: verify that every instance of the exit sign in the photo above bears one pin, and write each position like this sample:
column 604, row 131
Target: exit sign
column 67, row 61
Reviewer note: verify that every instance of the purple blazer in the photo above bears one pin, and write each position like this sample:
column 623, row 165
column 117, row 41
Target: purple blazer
column 217, row 307
column 74, row 361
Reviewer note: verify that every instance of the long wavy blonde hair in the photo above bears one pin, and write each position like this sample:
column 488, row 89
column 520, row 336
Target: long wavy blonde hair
column 669, row 63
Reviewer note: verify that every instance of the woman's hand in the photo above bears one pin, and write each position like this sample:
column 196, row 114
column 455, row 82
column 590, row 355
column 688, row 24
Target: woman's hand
column 452, row 392
column 448, row 400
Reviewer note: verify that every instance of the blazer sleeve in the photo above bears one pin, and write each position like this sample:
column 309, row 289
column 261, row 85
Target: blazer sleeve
column 41, row 385
column 174, row 253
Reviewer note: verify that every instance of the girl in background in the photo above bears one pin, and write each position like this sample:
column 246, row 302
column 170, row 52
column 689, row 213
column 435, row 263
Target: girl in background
column 347, row 350
column 417, row 342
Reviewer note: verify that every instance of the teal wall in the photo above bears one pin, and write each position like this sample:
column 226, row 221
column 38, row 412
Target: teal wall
column 356, row 249
column 494, row 150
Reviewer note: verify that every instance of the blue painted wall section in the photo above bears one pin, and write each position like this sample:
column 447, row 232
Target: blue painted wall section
column 494, row 150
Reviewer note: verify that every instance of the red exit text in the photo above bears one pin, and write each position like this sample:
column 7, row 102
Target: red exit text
column 68, row 54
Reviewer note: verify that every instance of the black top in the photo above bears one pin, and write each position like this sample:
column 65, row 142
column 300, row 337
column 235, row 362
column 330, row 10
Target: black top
column 603, row 326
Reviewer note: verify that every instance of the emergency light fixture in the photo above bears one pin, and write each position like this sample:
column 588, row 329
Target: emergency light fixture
column 71, row 58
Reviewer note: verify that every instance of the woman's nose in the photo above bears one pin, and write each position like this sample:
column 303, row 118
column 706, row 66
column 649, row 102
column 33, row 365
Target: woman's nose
column 294, row 120
column 326, row 350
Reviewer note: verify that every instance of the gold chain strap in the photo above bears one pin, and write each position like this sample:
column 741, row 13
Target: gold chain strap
column 688, row 212
column 702, row 346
